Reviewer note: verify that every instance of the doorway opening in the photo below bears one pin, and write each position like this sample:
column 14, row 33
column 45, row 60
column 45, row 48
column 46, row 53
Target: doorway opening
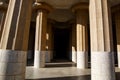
column 31, row 44
column 61, row 42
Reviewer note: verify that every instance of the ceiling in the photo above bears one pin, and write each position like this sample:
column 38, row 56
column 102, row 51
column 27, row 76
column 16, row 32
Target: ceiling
column 61, row 11
column 65, row 4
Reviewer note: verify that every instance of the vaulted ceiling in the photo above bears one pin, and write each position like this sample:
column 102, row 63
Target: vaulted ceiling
column 64, row 4
column 62, row 11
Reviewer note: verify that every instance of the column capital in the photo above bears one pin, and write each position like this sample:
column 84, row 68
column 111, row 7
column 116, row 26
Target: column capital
column 42, row 6
column 80, row 6
column 51, row 21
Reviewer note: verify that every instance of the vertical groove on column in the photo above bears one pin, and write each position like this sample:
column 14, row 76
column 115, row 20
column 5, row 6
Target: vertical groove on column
column 82, row 44
column 14, row 40
column 102, row 61
column 40, row 39
column 117, row 21
column 3, row 15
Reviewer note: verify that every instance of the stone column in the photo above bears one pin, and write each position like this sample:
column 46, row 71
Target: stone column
column 3, row 10
column 2, row 19
column 74, row 53
column 102, row 61
column 82, row 44
column 14, row 40
column 117, row 21
column 40, row 39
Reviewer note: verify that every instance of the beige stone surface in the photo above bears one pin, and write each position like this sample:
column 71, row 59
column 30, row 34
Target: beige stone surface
column 16, row 28
column 117, row 22
column 14, row 41
column 81, row 38
column 100, row 26
column 62, row 4
column 39, row 59
column 68, row 3
column 40, row 38
column 2, row 19
column 102, row 61
column 81, row 30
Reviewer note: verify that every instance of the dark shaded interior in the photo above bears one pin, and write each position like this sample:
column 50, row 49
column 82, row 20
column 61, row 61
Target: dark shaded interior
column 61, row 43
column 31, row 44
column 114, row 40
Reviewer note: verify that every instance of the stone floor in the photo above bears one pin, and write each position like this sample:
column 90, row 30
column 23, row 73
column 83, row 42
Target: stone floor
column 60, row 71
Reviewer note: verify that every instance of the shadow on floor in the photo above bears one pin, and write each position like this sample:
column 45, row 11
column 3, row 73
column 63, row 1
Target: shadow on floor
column 54, row 63
column 60, row 64
column 85, row 77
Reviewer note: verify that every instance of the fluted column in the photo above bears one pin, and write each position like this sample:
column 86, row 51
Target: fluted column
column 3, row 10
column 102, row 61
column 14, row 40
column 3, row 15
column 74, row 53
column 117, row 22
column 40, row 39
column 82, row 44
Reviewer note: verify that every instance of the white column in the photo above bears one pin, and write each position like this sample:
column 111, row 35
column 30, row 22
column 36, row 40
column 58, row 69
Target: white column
column 40, row 39
column 117, row 21
column 3, row 10
column 3, row 15
column 102, row 55
column 14, row 40
column 74, row 45
column 82, row 44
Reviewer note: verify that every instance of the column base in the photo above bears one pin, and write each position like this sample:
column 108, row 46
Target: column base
column 82, row 60
column 12, row 65
column 39, row 59
column 118, row 59
column 48, row 56
column 102, row 64
column 74, row 56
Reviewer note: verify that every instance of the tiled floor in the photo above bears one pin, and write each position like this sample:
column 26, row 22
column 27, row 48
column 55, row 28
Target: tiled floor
column 58, row 73
column 54, row 71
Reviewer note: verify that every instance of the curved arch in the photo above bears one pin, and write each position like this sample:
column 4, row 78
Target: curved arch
column 42, row 5
column 81, row 5
column 115, row 8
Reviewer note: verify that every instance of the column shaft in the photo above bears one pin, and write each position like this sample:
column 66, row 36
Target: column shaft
column 40, row 39
column 74, row 53
column 117, row 21
column 82, row 44
column 14, row 40
column 3, row 15
column 102, row 61
column 3, row 10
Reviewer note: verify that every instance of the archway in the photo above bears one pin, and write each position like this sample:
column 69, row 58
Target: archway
column 62, row 35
